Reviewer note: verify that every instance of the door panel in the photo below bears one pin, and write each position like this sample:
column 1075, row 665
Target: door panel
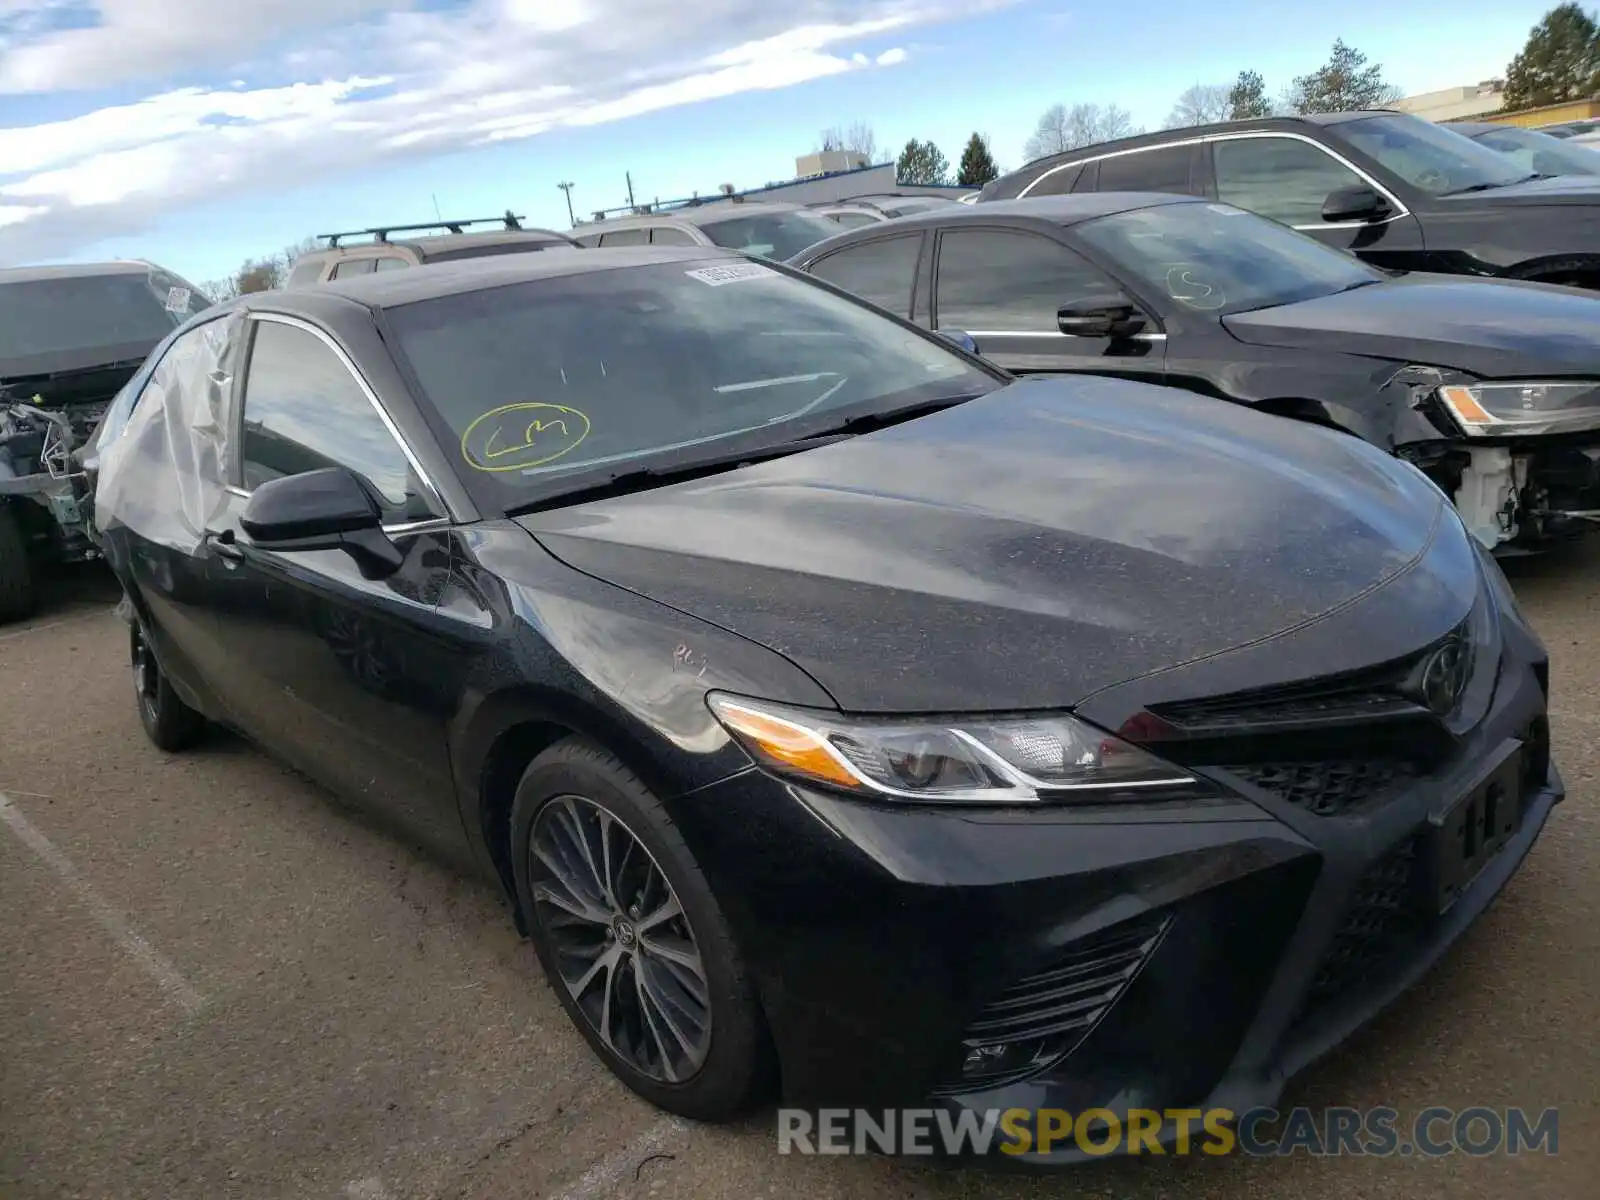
column 1005, row 286
column 1288, row 179
column 338, row 673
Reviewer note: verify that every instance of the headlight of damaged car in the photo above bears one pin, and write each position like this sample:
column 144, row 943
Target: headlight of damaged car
column 1526, row 408
column 1013, row 760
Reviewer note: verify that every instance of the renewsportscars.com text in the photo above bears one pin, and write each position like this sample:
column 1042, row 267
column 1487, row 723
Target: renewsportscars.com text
column 1259, row 1132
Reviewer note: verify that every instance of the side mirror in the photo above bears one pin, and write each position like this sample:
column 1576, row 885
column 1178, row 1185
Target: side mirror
column 1355, row 203
column 327, row 509
column 1100, row 317
column 960, row 338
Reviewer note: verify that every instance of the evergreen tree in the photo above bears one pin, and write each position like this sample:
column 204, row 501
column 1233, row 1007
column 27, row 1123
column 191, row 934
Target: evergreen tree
column 1248, row 97
column 1561, row 61
column 922, row 163
column 977, row 164
column 1345, row 83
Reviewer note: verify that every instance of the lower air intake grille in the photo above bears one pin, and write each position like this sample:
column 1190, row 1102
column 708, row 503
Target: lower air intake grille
column 1043, row 1017
column 1378, row 914
column 1329, row 788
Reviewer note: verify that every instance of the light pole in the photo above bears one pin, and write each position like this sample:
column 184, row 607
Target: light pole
column 567, row 188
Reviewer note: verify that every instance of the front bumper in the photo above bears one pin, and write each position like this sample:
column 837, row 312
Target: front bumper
column 1524, row 495
column 1234, row 944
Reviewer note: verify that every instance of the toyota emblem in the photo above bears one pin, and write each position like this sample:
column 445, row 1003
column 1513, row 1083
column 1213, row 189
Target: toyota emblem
column 1445, row 674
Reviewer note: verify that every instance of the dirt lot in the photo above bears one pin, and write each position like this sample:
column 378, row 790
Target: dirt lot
column 214, row 983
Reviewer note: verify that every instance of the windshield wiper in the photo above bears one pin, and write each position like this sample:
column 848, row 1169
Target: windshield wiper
column 1489, row 187
column 867, row 422
column 623, row 482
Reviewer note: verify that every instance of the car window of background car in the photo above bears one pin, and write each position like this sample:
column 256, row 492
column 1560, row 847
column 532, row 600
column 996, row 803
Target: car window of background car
column 1216, row 258
column 626, row 237
column 390, row 263
column 1279, row 177
column 1540, row 153
column 881, row 271
column 1005, row 281
column 1429, row 157
column 770, row 235
column 545, row 380
column 89, row 312
column 304, row 410
column 354, row 266
column 1165, row 170
column 1058, row 182
column 666, row 235
column 306, row 271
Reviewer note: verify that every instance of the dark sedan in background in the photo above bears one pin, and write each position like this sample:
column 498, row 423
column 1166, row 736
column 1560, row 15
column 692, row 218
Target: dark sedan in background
column 1533, row 150
column 1491, row 387
column 823, row 699
column 1390, row 187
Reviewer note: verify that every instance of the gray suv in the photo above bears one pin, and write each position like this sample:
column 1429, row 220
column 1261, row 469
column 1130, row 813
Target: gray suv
column 384, row 252
column 762, row 228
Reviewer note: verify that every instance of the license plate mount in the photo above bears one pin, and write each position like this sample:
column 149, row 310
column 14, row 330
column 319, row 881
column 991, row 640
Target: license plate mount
column 1470, row 834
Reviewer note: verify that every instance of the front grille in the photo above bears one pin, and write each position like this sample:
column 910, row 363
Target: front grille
column 1330, row 788
column 1343, row 701
column 1378, row 916
column 1057, row 1007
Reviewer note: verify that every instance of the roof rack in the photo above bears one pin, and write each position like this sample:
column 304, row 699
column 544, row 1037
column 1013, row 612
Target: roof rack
column 381, row 234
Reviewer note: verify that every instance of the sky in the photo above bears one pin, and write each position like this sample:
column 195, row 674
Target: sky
column 196, row 134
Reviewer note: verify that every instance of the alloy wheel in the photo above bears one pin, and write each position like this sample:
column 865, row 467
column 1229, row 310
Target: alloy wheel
column 622, row 943
column 146, row 674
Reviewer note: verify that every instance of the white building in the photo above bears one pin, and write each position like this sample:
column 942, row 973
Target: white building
column 1457, row 103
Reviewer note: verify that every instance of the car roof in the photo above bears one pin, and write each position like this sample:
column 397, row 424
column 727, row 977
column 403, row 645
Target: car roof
column 703, row 214
column 1058, row 210
column 1162, row 137
column 75, row 271
column 392, row 289
column 435, row 243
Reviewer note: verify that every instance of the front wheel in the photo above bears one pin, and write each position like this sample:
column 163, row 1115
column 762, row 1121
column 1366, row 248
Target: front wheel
column 631, row 938
column 168, row 721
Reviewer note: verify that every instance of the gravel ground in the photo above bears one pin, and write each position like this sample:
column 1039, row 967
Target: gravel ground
column 214, row 982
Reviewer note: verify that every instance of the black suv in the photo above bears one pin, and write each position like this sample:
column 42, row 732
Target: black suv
column 1398, row 191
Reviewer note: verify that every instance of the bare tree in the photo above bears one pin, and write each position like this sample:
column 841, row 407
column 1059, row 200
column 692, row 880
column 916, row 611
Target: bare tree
column 859, row 137
column 1201, row 104
column 1062, row 128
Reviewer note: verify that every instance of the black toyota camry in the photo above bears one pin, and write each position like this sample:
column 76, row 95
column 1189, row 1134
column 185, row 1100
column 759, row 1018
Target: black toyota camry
column 835, row 712
column 1490, row 386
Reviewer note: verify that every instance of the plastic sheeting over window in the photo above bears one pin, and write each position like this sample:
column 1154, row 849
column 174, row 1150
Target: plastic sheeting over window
column 164, row 465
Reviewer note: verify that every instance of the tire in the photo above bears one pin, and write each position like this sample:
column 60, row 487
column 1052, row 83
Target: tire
column 168, row 721
column 17, row 596
column 1574, row 272
column 575, row 784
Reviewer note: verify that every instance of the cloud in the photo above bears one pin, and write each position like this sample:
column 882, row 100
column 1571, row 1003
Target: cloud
column 294, row 90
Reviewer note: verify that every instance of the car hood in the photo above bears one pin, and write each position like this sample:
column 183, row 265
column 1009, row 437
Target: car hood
column 1562, row 189
column 1488, row 327
column 1021, row 550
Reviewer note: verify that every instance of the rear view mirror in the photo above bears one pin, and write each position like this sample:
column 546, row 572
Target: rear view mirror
column 1100, row 317
column 1355, row 203
column 960, row 338
column 328, row 509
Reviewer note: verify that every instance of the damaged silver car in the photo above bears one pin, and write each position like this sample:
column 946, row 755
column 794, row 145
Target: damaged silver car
column 71, row 337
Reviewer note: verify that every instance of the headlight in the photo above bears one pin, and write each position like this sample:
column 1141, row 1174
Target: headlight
column 1022, row 760
column 1511, row 409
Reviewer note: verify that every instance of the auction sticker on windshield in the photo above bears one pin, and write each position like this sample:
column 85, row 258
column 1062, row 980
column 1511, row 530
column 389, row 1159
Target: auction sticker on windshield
column 736, row 273
column 178, row 299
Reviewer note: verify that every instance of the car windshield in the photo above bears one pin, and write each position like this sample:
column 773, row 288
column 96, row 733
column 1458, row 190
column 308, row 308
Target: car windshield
column 555, row 385
column 1222, row 259
column 1431, row 158
column 72, row 313
column 1539, row 153
column 779, row 235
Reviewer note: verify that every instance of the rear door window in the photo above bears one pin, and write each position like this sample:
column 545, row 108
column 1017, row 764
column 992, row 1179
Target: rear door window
column 625, row 237
column 666, row 235
column 1164, row 170
column 881, row 272
column 354, row 266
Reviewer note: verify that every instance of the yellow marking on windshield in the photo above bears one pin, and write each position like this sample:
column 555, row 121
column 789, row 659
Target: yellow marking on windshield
column 517, row 437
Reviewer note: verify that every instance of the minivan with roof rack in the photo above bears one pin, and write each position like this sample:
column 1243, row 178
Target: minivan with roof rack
column 766, row 229
column 1394, row 189
column 382, row 251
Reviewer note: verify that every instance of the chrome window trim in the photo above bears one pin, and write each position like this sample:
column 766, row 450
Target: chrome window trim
column 1056, row 333
column 372, row 398
column 1400, row 208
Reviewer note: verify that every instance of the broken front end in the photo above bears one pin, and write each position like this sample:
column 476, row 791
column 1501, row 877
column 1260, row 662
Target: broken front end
column 1521, row 459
